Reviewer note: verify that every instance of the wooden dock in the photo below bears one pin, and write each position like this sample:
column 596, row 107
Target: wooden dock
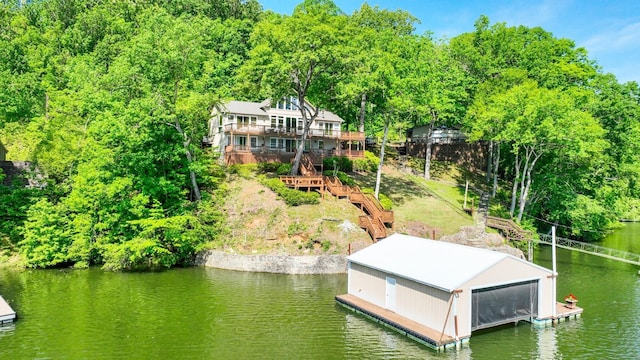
column 563, row 313
column 416, row 331
column 7, row 315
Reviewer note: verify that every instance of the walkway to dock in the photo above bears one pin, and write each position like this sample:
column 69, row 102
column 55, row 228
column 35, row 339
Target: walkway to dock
column 426, row 335
column 514, row 232
column 592, row 249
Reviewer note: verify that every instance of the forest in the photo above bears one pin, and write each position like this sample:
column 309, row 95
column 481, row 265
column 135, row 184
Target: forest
column 110, row 99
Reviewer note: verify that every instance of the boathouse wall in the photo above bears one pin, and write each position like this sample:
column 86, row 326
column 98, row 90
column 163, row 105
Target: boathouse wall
column 421, row 303
column 367, row 284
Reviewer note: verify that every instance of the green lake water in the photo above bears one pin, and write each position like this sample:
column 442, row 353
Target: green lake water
column 202, row 313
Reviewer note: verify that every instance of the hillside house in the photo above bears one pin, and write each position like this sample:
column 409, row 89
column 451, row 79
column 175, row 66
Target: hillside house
column 251, row 132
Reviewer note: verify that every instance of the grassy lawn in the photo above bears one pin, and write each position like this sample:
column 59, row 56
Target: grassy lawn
column 421, row 206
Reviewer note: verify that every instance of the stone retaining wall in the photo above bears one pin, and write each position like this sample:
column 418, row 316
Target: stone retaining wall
column 281, row 264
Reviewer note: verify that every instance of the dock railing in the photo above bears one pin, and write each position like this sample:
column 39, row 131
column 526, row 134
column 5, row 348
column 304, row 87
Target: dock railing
column 592, row 249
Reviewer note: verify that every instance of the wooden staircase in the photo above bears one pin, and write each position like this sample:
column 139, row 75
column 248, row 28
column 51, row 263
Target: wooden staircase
column 509, row 229
column 375, row 219
column 306, row 166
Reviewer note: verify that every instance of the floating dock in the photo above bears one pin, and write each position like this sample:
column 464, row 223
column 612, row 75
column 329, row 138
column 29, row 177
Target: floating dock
column 416, row 331
column 563, row 312
column 7, row 315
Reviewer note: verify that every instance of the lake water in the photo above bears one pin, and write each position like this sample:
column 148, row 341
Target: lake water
column 202, row 313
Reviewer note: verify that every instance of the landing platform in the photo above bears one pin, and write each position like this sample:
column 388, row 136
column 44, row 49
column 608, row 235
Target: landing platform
column 563, row 313
column 418, row 332
column 7, row 314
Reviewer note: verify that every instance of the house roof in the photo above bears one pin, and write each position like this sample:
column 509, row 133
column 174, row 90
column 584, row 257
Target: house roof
column 264, row 108
column 245, row 108
column 439, row 264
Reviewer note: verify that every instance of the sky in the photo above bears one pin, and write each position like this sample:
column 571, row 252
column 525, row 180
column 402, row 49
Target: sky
column 609, row 30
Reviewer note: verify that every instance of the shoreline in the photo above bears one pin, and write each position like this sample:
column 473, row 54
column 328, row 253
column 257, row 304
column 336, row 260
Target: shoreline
column 271, row 263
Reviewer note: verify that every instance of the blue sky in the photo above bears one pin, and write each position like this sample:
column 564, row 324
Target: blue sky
column 609, row 30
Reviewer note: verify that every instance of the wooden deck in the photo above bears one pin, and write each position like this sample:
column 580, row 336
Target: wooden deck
column 416, row 331
column 7, row 314
column 563, row 311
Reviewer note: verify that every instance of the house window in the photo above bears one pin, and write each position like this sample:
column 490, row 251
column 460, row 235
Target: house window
column 276, row 143
column 254, row 142
column 254, row 121
column 300, row 124
column 245, row 121
column 241, row 140
column 274, row 122
column 320, row 144
column 290, row 123
column 328, row 128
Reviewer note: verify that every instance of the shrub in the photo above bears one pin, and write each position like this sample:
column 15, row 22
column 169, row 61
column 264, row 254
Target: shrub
column 338, row 163
column 284, row 169
column 369, row 163
column 271, row 167
column 290, row 196
column 344, row 178
column 326, row 245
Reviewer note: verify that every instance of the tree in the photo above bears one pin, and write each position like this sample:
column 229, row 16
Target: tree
column 538, row 122
column 299, row 54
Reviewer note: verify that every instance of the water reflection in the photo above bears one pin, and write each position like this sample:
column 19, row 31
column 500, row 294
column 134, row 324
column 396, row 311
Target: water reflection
column 547, row 343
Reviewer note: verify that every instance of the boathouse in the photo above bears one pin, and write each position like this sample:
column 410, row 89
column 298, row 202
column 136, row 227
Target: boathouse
column 439, row 293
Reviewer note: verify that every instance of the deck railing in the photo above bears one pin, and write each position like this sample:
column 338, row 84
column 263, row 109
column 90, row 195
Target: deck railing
column 293, row 131
column 592, row 249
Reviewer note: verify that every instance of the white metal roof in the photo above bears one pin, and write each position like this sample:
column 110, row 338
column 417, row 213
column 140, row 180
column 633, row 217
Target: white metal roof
column 245, row 108
column 439, row 264
column 264, row 109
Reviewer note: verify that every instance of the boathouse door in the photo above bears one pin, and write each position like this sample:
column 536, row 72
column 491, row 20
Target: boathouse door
column 504, row 304
column 390, row 294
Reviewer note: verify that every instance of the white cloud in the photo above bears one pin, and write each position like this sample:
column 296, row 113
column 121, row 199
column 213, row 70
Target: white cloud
column 626, row 37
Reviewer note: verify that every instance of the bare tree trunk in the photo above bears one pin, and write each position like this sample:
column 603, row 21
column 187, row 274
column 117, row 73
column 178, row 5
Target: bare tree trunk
column 192, row 175
column 308, row 120
column 525, row 191
column 490, row 162
column 363, row 106
column 494, row 189
column 514, row 190
column 523, row 178
column 384, row 142
column 427, row 151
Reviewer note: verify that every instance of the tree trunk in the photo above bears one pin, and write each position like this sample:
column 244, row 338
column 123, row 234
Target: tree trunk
column 523, row 180
column 363, row 105
column 490, row 162
column 427, row 150
column 384, row 142
column 308, row 119
column 494, row 189
column 514, row 190
column 192, row 174
column 527, row 186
